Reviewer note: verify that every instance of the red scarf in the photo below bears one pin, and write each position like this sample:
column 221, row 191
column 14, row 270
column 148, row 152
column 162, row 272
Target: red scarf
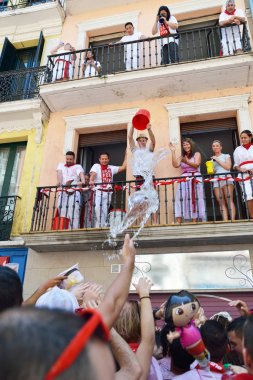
column 106, row 174
column 247, row 146
column 134, row 346
column 230, row 14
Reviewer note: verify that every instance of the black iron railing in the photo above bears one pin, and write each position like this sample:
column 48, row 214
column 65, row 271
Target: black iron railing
column 187, row 46
column 7, row 209
column 21, row 84
column 10, row 5
column 181, row 199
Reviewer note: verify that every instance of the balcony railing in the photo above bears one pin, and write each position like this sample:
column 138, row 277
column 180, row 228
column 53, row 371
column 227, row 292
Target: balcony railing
column 181, row 200
column 7, row 209
column 21, row 84
column 10, row 5
column 187, row 46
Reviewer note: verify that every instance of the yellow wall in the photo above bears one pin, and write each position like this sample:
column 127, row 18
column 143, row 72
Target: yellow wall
column 29, row 176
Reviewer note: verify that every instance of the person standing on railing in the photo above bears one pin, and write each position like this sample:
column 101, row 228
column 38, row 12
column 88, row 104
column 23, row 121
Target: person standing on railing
column 132, row 51
column 243, row 162
column 63, row 64
column 189, row 204
column 70, row 174
column 102, row 174
column 91, row 67
column 223, row 190
column 166, row 26
column 230, row 20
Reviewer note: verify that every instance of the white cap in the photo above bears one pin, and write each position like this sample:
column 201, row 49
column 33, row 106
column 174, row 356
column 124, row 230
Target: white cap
column 57, row 298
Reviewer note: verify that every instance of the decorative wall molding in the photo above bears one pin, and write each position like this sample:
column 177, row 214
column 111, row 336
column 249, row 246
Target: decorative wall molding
column 235, row 103
column 91, row 121
column 195, row 6
column 104, row 22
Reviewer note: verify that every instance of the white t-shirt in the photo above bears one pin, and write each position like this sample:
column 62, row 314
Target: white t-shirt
column 91, row 71
column 163, row 31
column 232, row 31
column 242, row 154
column 108, row 175
column 218, row 168
column 70, row 172
column 131, row 49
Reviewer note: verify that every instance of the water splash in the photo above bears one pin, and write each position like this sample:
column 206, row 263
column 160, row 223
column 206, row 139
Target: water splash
column 142, row 203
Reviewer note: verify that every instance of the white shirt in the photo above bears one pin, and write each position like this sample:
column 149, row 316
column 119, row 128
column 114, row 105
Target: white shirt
column 198, row 374
column 162, row 30
column 91, row 71
column 232, row 31
column 70, row 172
column 96, row 168
column 242, row 154
column 132, row 49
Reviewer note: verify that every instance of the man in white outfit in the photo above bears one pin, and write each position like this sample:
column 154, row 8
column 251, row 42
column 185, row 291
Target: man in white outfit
column 102, row 174
column 69, row 200
column 231, row 19
column 132, row 52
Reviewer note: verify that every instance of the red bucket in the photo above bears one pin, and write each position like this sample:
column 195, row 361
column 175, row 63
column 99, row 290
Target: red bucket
column 141, row 119
column 60, row 223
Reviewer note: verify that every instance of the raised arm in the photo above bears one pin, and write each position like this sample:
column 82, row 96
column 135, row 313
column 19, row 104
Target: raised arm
column 117, row 293
column 127, row 360
column 55, row 50
column 122, row 168
column 175, row 161
column 146, row 347
column 152, row 138
column 131, row 138
column 43, row 288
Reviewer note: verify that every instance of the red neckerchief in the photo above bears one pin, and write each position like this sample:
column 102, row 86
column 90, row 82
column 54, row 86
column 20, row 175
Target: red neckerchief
column 69, row 165
column 230, row 14
column 134, row 346
column 103, row 167
column 247, row 146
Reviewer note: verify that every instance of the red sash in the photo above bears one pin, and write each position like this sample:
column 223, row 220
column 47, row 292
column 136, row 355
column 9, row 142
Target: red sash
column 163, row 30
column 245, row 163
column 106, row 174
column 66, row 67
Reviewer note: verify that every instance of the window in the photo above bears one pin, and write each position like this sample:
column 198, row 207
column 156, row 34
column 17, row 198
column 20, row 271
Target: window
column 11, row 164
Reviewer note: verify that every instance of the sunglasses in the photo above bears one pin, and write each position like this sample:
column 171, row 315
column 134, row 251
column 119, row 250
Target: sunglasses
column 76, row 345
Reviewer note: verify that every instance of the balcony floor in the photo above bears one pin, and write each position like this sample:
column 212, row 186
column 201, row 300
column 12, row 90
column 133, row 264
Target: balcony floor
column 178, row 79
column 167, row 236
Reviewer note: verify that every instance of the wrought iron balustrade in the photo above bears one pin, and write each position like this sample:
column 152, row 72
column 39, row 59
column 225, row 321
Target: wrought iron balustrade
column 21, row 84
column 10, row 5
column 7, row 209
column 187, row 46
column 181, row 199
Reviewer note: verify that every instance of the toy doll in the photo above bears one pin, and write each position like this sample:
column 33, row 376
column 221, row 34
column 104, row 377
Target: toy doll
column 179, row 313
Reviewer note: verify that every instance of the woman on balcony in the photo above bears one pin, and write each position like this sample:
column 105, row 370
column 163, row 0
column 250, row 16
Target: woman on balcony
column 223, row 189
column 63, row 64
column 166, row 26
column 243, row 158
column 90, row 67
column 189, row 203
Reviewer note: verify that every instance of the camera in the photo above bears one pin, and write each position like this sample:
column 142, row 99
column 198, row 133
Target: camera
column 161, row 20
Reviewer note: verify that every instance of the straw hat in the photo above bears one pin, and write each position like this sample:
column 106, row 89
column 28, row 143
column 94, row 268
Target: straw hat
column 141, row 136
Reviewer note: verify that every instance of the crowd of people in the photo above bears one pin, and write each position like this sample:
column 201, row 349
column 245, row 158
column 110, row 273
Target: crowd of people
column 80, row 331
column 166, row 27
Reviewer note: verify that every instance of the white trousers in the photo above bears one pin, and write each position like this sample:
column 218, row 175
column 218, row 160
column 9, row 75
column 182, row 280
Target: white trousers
column 69, row 207
column 102, row 204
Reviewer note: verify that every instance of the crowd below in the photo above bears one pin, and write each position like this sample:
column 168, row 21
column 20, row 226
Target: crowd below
column 77, row 330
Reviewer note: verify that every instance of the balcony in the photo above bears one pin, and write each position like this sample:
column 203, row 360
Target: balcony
column 146, row 71
column 58, row 220
column 30, row 12
column 20, row 84
column 7, row 209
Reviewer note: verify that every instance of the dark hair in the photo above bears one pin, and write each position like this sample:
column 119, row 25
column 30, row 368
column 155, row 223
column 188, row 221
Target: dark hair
column 247, row 132
column 215, row 339
column 181, row 298
column 128, row 23
column 164, row 8
column 70, row 153
column 248, row 335
column 237, row 326
column 190, row 141
column 92, row 52
column 10, row 289
column 104, row 153
column 36, row 338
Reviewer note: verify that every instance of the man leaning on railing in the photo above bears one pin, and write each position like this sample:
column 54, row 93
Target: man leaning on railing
column 230, row 20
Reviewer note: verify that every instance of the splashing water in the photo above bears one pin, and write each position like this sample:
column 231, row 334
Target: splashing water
column 142, row 203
